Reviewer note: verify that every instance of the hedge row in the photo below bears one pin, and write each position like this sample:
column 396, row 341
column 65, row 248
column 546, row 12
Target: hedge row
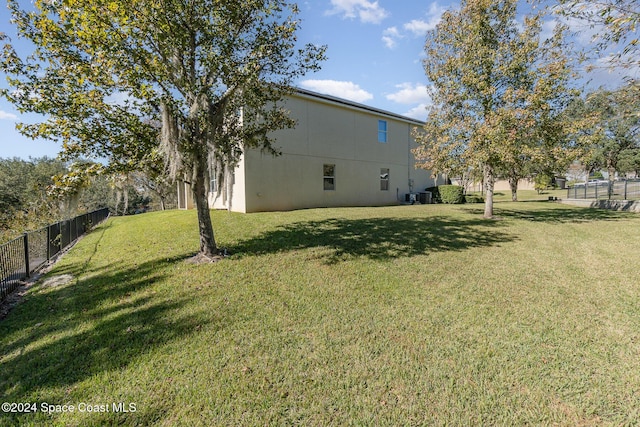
column 452, row 194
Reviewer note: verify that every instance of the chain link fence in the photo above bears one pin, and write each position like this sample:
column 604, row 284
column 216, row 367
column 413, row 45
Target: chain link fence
column 616, row 190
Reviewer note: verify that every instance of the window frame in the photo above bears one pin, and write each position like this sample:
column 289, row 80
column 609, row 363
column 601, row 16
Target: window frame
column 383, row 131
column 384, row 181
column 329, row 178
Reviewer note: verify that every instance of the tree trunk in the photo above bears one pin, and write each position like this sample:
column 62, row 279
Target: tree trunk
column 513, row 183
column 207, row 240
column 489, row 182
column 612, row 174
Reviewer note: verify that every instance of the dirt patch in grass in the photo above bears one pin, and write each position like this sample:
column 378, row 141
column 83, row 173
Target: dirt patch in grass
column 201, row 258
column 55, row 281
column 15, row 297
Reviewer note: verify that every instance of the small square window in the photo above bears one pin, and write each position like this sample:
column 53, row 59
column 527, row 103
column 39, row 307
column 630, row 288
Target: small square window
column 384, row 179
column 382, row 131
column 329, row 177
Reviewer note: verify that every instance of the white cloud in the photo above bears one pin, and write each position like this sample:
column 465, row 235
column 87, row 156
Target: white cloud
column 409, row 93
column 578, row 31
column 7, row 116
column 602, row 72
column 548, row 27
column 341, row 89
column 418, row 113
column 412, row 94
column 419, row 26
column 366, row 11
column 390, row 37
column 583, row 31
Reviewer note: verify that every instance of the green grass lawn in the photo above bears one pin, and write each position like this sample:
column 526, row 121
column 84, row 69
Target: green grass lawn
column 527, row 195
column 408, row 315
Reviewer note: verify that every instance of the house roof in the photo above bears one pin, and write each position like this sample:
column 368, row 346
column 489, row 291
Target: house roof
column 328, row 99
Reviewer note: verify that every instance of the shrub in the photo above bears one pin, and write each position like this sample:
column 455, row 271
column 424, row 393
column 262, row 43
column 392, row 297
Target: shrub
column 451, row 194
column 473, row 198
column 541, row 182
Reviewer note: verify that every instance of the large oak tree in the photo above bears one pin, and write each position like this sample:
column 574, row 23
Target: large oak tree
column 197, row 80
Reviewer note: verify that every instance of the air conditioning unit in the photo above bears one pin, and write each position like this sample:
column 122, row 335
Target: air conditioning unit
column 425, row 198
column 411, row 198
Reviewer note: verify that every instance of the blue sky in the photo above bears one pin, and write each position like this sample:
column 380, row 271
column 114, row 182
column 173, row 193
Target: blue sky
column 375, row 53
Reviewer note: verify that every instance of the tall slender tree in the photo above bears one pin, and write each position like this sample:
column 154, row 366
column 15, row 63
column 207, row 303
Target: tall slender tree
column 497, row 91
column 202, row 80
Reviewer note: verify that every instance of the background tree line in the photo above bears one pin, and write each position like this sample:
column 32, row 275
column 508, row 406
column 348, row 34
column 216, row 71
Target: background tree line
column 41, row 191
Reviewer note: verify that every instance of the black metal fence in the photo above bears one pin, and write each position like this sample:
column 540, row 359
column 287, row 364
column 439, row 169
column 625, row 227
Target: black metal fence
column 22, row 256
column 616, row 190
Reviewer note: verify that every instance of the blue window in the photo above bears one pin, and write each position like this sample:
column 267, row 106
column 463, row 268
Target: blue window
column 382, row 131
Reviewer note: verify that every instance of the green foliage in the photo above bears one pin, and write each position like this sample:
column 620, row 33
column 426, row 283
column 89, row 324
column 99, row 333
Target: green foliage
column 498, row 92
column 610, row 137
column 24, row 200
column 541, row 182
column 473, row 198
column 41, row 191
column 629, row 162
column 451, row 194
column 205, row 78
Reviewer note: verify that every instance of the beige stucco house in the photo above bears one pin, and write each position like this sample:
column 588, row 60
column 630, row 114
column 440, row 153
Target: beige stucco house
column 340, row 153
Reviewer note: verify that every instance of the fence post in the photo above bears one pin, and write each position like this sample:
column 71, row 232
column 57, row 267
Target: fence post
column 25, row 239
column 625, row 189
column 48, row 243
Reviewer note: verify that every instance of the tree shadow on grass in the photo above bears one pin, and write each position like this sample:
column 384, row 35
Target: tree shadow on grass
column 555, row 214
column 62, row 335
column 378, row 238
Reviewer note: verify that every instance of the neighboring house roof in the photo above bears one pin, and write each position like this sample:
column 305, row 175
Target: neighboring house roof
column 328, row 99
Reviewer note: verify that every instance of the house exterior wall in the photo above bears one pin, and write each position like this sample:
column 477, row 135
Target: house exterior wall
column 329, row 131
column 231, row 195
